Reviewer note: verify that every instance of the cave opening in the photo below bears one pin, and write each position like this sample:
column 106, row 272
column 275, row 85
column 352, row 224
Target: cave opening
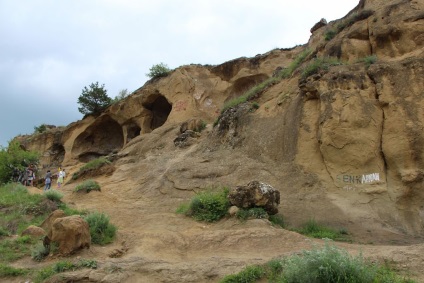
column 160, row 109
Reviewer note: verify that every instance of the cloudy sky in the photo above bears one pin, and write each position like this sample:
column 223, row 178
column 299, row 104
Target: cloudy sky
column 51, row 49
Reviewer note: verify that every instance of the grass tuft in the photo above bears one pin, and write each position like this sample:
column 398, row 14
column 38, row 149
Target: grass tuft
column 87, row 186
column 102, row 232
column 207, row 206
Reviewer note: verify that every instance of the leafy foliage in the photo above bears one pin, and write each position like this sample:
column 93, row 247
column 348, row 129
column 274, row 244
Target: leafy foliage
column 102, row 232
column 207, row 206
column 121, row 95
column 88, row 186
column 277, row 220
column 14, row 157
column 93, row 99
column 158, row 70
column 40, row 129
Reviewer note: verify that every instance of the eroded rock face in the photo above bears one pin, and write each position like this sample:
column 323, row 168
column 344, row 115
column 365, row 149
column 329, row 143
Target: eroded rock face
column 71, row 233
column 34, row 231
column 256, row 194
column 350, row 135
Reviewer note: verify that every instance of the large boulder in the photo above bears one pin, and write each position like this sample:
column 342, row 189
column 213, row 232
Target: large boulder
column 256, row 194
column 47, row 224
column 71, row 233
column 34, row 232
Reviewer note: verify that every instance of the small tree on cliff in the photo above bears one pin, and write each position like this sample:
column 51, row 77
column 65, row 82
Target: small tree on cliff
column 94, row 99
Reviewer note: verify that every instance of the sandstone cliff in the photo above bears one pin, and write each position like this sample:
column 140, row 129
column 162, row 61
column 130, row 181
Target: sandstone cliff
column 344, row 145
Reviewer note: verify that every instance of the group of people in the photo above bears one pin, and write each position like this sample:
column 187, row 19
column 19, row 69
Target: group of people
column 61, row 174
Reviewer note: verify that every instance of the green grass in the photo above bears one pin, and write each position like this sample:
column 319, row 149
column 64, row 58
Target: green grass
column 247, row 275
column 87, row 186
column 92, row 165
column 62, row 266
column 252, row 213
column 315, row 230
column 369, row 60
column 319, row 64
column 208, row 206
column 255, row 90
column 9, row 271
column 14, row 249
column 102, row 232
column 54, row 195
column 328, row 264
column 277, row 220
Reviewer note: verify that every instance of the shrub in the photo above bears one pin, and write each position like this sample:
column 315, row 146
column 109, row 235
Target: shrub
column 330, row 34
column 54, row 195
column 158, row 70
column 207, row 206
column 247, row 275
column 255, row 212
column 331, row 264
column 40, row 129
column 88, row 186
column 101, row 231
column 13, row 159
column 39, row 252
column 326, row 264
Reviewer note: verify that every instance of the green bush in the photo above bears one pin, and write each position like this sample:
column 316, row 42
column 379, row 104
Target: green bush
column 39, row 252
column 255, row 212
column 158, row 70
column 102, row 232
column 330, row 34
column 87, row 186
column 14, row 157
column 328, row 264
column 40, row 129
column 207, row 206
column 247, row 275
column 331, row 264
column 53, row 195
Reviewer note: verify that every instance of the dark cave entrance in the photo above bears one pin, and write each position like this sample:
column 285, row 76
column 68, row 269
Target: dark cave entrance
column 160, row 108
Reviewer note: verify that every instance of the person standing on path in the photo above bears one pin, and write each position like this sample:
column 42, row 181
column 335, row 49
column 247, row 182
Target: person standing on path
column 59, row 179
column 48, row 180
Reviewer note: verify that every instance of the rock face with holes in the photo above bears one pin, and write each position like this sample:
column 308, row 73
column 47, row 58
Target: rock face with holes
column 342, row 141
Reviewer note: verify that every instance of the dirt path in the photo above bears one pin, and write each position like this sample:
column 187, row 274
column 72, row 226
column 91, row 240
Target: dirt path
column 154, row 244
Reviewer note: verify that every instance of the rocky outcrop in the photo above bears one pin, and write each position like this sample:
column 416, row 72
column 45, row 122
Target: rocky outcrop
column 71, row 233
column 256, row 194
column 342, row 140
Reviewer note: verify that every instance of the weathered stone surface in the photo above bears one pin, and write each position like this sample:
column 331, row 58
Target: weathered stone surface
column 318, row 25
column 34, row 231
column 71, row 233
column 47, row 224
column 256, row 194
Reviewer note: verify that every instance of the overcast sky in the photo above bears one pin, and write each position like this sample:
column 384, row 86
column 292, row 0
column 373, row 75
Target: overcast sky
column 51, row 49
